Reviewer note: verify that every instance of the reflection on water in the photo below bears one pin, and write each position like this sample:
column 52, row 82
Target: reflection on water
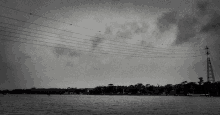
column 111, row 105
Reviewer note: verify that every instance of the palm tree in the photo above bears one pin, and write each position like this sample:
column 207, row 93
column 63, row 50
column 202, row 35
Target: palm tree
column 200, row 84
column 200, row 81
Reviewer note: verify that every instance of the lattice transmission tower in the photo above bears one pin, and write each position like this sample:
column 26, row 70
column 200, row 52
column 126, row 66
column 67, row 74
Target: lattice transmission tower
column 210, row 72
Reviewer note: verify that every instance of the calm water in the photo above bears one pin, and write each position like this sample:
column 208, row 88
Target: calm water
column 107, row 105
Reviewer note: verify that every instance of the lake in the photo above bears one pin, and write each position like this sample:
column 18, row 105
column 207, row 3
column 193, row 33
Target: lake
column 107, row 105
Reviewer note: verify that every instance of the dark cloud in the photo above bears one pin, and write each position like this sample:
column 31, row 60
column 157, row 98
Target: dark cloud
column 135, row 27
column 74, row 53
column 124, row 34
column 9, row 73
column 143, row 29
column 186, row 29
column 202, row 6
column 96, row 41
column 6, row 66
column 165, row 21
column 127, row 30
column 14, row 65
column 96, row 68
column 206, row 7
column 69, row 64
column 108, row 30
column 185, row 25
column 213, row 25
column 62, row 50
column 23, row 57
column 3, row 55
column 192, row 24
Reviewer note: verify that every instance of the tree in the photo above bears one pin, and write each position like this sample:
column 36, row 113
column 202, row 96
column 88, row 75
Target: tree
column 168, row 88
column 192, row 87
column 110, row 85
column 207, row 87
column 200, row 81
column 147, row 85
column 139, row 87
column 33, row 88
column 184, row 82
column 110, row 88
column 200, row 84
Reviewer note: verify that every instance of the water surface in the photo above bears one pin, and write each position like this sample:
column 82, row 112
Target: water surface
column 108, row 105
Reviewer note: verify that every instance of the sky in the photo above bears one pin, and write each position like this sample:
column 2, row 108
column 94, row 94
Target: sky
column 88, row 43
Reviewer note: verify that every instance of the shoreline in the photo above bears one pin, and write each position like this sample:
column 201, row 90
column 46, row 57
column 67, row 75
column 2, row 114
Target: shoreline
column 117, row 95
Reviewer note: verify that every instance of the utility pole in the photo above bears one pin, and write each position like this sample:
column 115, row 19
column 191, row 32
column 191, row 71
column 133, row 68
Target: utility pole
column 210, row 73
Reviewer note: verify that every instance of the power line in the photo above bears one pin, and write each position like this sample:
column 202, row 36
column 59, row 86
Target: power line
column 104, row 53
column 130, row 45
column 74, row 46
column 48, row 18
column 40, row 16
column 77, row 43
column 144, row 56
column 74, row 41
column 57, row 34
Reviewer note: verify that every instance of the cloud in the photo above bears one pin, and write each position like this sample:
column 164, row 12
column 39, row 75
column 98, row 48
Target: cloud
column 96, row 41
column 70, row 64
column 186, row 25
column 202, row 20
column 213, row 25
column 59, row 51
column 15, row 65
column 166, row 20
column 186, row 29
column 62, row 50
column 127, row 29
column 74, row 54
column 108, row 30
column 211, row 15
column 130, row 30
column 6, row 66
column 202, row 6
column 9, row 63
column 135, row 27
column 23, row 57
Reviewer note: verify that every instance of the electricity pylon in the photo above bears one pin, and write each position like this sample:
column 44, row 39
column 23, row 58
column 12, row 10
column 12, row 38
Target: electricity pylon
column 210, row 73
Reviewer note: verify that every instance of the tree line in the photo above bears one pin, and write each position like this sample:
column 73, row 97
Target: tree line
column 184, row 88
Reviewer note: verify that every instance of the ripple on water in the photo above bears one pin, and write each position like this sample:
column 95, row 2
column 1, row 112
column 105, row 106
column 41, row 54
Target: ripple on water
column 112, row 105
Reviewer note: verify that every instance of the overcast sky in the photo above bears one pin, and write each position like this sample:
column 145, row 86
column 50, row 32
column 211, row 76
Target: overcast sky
column 88, row 43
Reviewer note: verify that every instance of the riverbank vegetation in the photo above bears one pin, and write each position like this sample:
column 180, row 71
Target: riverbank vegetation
column 183, row 89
